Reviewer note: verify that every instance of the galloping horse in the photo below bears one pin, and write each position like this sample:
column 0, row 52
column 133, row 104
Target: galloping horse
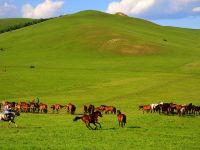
column 10, row 117
column 91, row 118
column 121, row 119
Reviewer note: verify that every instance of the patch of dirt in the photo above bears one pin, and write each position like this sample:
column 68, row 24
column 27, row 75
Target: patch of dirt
column 121, row 14
column 192, row 66
column 126, row 47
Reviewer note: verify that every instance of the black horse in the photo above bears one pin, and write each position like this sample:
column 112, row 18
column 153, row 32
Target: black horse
column 10, row 117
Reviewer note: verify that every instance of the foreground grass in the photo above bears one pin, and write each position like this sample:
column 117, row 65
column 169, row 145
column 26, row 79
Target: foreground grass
column 148, row 131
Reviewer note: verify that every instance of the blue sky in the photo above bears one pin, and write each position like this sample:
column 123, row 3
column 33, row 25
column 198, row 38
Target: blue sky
column 180, row 13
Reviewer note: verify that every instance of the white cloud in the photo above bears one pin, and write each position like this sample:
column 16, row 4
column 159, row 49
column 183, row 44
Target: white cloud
column 156, row 9
column 196, row 9
column 47, row 9
column 8, row 9
column 130, row 6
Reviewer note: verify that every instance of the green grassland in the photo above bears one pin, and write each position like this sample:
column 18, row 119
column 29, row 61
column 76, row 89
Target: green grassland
column 95, row 58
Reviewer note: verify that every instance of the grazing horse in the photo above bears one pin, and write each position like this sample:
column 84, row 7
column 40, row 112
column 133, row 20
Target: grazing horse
column 43, row 108
column 180, row 109
column 34, row 107
column 26, row 107
column 111, row 109
column 70, row 108
column 56, row 107
column 10, row 117
column 146, row 108
column 154, row 107
column 91, row 118
column 101, row 108
column 121, row 119
column 18, row 107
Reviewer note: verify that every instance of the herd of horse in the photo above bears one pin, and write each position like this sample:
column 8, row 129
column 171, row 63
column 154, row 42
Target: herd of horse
column 90, row 112
column 171, row 109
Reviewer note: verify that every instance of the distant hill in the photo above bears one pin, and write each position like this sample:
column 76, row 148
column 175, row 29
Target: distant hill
column 95, row 41
column 109, row 33
column 4, row 23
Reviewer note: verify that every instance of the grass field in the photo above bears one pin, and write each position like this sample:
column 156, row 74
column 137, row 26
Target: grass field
column 95, row 58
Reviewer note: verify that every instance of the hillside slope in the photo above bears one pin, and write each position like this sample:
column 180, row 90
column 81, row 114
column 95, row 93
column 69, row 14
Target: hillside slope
column 4, row 23
column 90, row 48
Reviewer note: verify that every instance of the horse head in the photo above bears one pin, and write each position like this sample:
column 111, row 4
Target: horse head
column 118, row 112
column 16, row 113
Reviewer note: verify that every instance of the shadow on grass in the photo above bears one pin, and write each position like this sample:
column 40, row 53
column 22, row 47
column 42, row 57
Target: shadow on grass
column 28, row 127
column 134, row 127
column 110, row 129
column 129, row 127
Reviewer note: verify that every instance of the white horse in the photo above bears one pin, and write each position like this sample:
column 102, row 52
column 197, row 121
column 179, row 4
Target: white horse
column 10, row 117
column 153, row 107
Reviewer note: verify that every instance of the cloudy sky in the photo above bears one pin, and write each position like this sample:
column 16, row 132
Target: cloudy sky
column 181, row 13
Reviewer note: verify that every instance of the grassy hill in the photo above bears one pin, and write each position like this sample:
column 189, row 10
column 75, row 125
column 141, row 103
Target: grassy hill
column 98, row 58
column 4, row 23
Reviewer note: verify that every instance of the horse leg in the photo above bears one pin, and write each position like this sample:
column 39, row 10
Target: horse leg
column 122, row 124
column 89, row 127
column 14, row 123
column 95, row 126
column 9, row 124
column 99, row 124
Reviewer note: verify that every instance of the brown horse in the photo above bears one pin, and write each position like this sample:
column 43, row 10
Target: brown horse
column 34, row 107
column 91, row 118
column 43, row 108
column 56, row 107
column 26, row 107
column 146, row 108
column 70, row 108
column 121, row 119
column 111, row 109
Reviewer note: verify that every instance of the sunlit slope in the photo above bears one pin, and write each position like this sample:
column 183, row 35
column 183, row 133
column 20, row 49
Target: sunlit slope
column 90, row 50
column 4, row 23
column 89, row 31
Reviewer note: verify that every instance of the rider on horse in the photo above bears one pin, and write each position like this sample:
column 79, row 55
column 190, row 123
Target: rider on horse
column 7, row 111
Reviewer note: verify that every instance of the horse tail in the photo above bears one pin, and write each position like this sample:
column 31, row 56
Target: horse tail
column 124, row 119
column 114, row 110
column 77, row 118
